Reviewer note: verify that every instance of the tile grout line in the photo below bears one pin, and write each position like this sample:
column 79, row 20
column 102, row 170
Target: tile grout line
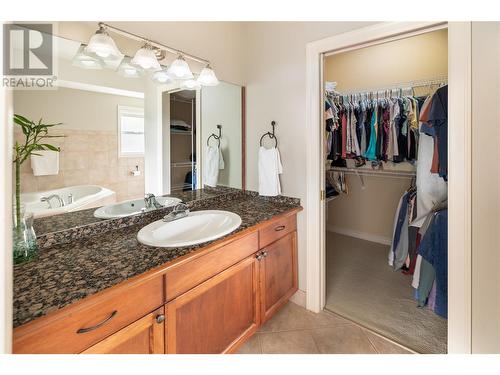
column 370, row 341
column 316, row 344
column 306, row 329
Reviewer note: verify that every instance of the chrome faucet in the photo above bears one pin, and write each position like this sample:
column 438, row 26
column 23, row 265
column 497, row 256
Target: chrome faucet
column 180, row 210
column 151, row 202
column 47, row 199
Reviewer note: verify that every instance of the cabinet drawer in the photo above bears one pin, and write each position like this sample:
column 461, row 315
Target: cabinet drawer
column 277, row 229
column 77, row 328
column 186, row 276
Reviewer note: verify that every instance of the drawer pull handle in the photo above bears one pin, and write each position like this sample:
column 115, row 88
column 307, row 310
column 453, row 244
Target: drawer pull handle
column 85, row 330
column 279, row 228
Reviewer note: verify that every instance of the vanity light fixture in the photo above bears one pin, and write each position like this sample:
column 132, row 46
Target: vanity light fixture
column 85, row 61
column 146, row 58
column 207, row 77
column 102, row 45
column 161, row 76
column 179, row 69
column 126, row 69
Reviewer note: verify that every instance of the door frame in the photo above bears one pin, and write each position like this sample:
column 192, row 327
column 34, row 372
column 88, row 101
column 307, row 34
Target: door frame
column 459, row 139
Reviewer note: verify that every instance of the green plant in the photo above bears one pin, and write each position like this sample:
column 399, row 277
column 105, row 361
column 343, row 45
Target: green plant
column 35, row 134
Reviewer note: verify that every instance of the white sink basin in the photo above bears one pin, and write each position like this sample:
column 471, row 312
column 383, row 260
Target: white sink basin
column 196, row 228
column 131, row 207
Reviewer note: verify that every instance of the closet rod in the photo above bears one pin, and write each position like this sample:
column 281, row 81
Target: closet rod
column 396, row 86
column 373, row 172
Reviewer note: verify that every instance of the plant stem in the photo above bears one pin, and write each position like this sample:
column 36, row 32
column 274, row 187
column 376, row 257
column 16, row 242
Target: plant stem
column 18, row 194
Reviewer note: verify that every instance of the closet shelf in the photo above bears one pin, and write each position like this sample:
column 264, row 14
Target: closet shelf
column 374, row 172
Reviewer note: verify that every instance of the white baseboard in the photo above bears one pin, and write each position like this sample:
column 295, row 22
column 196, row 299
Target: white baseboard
column 299, row 298
column 362, row 235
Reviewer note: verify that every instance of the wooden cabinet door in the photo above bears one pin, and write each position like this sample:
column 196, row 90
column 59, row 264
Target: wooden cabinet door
column 145, row 336
column 217, row 315
column 278, row 274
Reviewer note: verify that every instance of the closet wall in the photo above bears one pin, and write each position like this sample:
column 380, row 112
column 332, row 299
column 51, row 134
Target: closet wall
column 416, row 58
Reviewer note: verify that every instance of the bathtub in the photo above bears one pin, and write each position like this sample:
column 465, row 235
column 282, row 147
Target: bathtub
column 84, row 196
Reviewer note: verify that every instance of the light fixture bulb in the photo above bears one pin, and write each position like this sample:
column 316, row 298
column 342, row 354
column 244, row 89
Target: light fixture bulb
column 161, row 76
column 85, row 61
column 102, row 45
column 127, row 70
column 179, row 69
column 146, row 58
column 190, row 84
column 207, row 77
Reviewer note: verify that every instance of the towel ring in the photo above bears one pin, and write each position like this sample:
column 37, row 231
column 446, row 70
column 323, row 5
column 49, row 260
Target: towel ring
column 270, row 135
column 217, row 137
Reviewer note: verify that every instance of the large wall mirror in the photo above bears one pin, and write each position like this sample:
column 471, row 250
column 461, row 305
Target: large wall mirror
column 126, row 133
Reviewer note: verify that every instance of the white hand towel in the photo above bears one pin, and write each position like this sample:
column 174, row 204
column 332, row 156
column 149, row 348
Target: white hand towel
column 269, row 170
column 213, row 162
column 45, row 163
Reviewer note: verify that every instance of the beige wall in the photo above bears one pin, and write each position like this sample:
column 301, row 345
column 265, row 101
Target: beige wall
column 222, row 105
column 370, row 211
column 275, row 56
column 485, row 187
column 89, row 150
column 419, row 57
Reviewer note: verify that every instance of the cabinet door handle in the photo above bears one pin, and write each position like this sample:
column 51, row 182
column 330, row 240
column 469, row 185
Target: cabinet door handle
column 264, row 254
column 259, row 256
column 85, row 330
column 160, row 318
column 279, row 228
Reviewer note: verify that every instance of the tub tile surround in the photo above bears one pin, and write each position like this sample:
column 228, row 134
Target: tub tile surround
column 107, row 256
column 87, row 158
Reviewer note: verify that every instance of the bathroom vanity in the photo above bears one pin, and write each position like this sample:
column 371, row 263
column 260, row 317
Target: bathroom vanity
column 108, row 293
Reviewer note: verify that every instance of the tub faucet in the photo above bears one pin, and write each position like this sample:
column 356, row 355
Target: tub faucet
column 151, row 202
column 180, row 210
column 47, row 199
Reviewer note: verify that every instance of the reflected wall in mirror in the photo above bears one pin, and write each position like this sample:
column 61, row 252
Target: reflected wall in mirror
column 127, row 132
column 102, row 152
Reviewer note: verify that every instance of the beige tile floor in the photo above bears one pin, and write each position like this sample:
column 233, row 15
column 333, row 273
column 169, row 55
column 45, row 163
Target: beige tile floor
column 294, row 330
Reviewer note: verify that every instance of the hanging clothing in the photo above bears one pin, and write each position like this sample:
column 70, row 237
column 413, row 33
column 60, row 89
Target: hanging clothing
column 431, row 188
column 434, row 250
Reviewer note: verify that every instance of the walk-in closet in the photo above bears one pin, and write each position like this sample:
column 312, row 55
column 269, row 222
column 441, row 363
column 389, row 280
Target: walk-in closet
column 183, row 140
column 385, row 154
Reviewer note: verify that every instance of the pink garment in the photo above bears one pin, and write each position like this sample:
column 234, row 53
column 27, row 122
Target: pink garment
column 344, row 135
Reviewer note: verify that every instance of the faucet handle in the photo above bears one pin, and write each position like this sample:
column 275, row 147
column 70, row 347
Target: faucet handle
column 149, row 195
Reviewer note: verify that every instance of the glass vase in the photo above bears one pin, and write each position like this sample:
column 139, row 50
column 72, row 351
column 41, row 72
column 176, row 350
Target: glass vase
column 24, row 239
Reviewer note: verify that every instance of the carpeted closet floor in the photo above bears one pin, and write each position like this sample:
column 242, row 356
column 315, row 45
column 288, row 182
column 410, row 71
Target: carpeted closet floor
column 362, row 287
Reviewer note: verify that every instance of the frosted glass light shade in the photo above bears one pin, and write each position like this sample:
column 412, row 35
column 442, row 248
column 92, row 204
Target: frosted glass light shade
column 84, row 61
column 207, row 77
column 190, row 84
column 161, row 76
column 179, row 69
column 103, row 45
column 127, row 70
column 146, row 59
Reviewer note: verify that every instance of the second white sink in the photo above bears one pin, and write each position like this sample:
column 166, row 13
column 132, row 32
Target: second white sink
column 196, row 228
column 131, row 207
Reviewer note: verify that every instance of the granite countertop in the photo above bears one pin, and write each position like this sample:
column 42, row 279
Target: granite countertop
column 66, row 273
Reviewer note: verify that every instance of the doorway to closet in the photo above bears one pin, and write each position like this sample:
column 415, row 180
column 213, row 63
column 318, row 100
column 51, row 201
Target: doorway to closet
column 385, row 181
